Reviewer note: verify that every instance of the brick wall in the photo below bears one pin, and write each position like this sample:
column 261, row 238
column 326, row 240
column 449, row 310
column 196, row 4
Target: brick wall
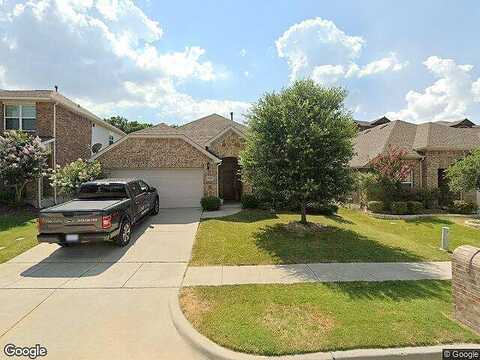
column 466, row 286
column 228, row 145
column 73, row 136
column 146, row 153
column 45, row 119
column 435, row 160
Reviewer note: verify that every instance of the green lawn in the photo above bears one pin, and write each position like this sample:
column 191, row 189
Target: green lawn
column 286, row 319
column 257, row 237
column 14, row 227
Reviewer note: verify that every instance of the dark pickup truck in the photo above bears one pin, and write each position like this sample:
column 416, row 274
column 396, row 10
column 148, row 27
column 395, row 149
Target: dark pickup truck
column 104, row 210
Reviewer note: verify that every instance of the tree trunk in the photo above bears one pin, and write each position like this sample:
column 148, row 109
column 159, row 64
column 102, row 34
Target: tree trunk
column 303, row 208
column 18, row 193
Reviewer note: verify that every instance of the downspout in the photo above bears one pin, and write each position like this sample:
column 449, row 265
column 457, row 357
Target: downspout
column 218, row 178
column 55, row 148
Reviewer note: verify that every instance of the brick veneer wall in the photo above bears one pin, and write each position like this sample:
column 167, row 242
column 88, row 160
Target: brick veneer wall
column 73, row 136
column 45, row 119
column 150, row 153
column 228, row 145
column 435, row 160
column 466, row 286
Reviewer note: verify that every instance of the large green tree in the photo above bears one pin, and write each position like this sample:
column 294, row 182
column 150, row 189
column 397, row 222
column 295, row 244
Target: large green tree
column 464, row 175
column 299, row 144
column 126, row 125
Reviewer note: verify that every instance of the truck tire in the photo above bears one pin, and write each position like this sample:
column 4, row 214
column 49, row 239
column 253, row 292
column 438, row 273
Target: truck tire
column 156, row 207
column 125, row 233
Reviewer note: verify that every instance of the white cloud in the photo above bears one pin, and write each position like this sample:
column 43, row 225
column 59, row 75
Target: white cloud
column 91, row 49
column 327, row 74
column 168, row 102
column 317, row 48
column 476, row 90
column 447, row 98
column 243, row 52
column 389, row 63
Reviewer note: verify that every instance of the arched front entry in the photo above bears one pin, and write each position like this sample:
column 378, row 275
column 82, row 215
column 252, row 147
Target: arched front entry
column 229, row 180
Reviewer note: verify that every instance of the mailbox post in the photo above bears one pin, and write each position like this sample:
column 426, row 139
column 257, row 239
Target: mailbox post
column 444, row 241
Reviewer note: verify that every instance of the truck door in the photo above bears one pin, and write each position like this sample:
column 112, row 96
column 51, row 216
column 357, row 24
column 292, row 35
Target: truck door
column 137, row 199
column 149, row 195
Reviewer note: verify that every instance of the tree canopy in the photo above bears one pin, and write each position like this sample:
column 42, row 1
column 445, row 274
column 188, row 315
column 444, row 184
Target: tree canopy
column 299, row 144
column 464, row 175
column 127, row 126
column 22, row 159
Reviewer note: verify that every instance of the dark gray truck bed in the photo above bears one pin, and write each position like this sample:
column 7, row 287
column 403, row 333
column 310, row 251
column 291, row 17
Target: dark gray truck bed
column 84, row 205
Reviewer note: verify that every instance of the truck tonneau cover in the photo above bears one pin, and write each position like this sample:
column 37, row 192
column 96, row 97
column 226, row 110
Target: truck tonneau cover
column 83, row 205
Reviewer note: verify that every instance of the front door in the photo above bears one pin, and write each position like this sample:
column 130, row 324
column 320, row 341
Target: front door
column 229, row 176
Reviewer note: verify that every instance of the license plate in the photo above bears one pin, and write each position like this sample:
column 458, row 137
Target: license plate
column 71, row 237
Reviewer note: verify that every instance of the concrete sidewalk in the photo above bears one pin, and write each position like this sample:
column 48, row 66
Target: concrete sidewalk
column 319, row 272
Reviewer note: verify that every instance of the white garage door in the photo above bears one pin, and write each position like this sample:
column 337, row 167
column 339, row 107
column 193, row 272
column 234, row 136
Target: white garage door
column 176, row 187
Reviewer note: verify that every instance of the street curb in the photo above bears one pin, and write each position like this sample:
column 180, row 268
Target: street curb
column 213, row 351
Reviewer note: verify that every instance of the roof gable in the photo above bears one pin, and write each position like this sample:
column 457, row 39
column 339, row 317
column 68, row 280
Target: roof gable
column 204, row 129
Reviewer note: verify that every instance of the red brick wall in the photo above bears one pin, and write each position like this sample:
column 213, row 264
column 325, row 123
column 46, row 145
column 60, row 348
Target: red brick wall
column 466, row 285
column 45, row 119
column 73, row 136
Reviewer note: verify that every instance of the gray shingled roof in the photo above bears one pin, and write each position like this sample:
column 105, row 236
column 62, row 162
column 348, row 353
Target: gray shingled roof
column 160, row 129
column 14, row 94
column 204, row 129
column 413, row 138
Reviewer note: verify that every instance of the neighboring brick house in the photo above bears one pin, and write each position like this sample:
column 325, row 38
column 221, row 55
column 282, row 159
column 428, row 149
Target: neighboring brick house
column 185, row 163
column 431, row 148
column 65, row 128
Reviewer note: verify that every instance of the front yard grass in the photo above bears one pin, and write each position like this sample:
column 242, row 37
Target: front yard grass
column 256, row 237
column 18, row 232
column 287, row 319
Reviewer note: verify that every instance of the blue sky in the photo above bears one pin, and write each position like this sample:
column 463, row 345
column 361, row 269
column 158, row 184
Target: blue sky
column 173, row 62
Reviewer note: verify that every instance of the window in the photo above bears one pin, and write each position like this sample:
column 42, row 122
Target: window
column 134, row 188
column 407, row 183
column 143, row 187
column 110, row 140
column 20, row 117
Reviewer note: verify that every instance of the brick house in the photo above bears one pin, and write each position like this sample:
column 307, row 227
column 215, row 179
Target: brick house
column 64, row 127
column 431, row 148
column 184, row 163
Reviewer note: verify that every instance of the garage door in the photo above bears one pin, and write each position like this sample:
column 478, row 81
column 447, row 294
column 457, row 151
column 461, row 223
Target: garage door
column 176, row 187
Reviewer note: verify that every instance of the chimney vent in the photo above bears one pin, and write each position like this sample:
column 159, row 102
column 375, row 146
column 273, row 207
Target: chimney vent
column 231, row 115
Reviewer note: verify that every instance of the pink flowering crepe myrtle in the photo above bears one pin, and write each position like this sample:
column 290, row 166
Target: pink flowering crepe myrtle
column 22, row 160
column 392, row 165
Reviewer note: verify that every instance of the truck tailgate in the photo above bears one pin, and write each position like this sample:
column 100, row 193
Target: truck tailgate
column 70, row 222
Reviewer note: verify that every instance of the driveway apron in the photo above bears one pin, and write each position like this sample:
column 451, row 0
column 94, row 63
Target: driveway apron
column 99, row 301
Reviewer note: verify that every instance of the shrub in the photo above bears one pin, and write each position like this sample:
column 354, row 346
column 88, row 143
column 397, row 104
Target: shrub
column 375, row 206
column 249, row 201
column 429, row 197
column 321, row 209
column 462, row 207
column 210, row 203
column 414, row 207
column 7, row 197
column 399, row 207
column 22, row 160
column 69, row 178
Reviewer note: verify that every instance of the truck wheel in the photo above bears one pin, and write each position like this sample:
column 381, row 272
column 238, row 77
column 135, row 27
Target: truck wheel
column 156, row 207
column 125, row 234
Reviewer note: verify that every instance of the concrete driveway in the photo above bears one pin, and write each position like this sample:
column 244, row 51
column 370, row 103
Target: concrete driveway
column 99, row 301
